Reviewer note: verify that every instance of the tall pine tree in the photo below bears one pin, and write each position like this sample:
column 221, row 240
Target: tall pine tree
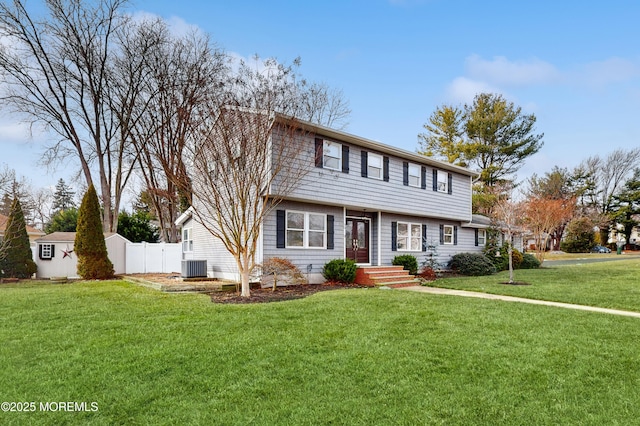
column 62, row 197
column 16, row 259
column 93, row 260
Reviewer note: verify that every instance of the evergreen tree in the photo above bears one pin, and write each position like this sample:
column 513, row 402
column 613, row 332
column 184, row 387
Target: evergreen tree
column 137, row 227
column 63, row 197
column 16, row 259
column 63, row 221
column 93, row 260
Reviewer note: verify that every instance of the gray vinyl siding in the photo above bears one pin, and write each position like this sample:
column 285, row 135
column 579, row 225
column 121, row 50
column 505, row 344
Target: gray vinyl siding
column 321, row 185
column 302, row 257
column 220, row 263
column 466, row 239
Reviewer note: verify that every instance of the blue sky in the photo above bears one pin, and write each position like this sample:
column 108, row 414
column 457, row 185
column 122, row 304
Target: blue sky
column 574, row 64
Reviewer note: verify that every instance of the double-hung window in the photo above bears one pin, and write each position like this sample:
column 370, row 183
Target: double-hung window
column 414, row 175
column 187, row 239
column 443, row 181
column 482, row 237
column 332, row 155
column 374, row 166
column 409, row 237
column 447, row 234
column 306, row 230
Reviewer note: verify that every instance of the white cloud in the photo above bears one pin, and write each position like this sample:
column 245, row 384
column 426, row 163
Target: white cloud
column 501, row 71
column 463, row 90
column 609, row 71
column 177, row 26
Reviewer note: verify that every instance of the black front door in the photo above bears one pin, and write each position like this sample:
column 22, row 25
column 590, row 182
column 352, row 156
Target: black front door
column 357, row 240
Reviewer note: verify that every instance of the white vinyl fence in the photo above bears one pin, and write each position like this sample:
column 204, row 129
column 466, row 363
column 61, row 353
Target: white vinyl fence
column 146, row 258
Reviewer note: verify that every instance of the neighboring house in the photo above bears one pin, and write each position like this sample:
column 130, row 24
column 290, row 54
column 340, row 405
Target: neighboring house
column 32, row 232
column 361, row 200
column 55, row 256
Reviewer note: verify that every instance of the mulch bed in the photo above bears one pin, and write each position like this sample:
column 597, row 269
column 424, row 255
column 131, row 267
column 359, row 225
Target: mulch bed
column 266, row 295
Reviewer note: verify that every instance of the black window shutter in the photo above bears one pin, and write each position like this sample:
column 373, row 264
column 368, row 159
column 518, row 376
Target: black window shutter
column 423, row 178
column 405, row 173
column 476, row 237
column 319, row 152
column 435, row 179
column 53, row 250
column 281, row 231
column 363, row 163
column 394, row 236
column 424, row 237
column 455, row 235
column 345, row 159
column 441, row 234
column 40, row 251
column 450, row 183
column 330, row 220
column 385, row 169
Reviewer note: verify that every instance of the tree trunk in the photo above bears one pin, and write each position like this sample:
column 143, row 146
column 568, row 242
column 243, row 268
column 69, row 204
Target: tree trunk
column 510, row 251
column 244, row 269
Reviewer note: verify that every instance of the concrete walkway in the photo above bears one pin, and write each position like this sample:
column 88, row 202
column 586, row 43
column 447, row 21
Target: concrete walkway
column 449, row 292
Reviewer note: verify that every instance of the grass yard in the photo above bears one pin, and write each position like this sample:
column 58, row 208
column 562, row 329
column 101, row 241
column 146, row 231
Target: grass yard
column 613, row 284
column 355, row 357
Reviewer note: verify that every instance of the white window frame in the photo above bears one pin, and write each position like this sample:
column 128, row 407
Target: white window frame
column 187, row 240
column 374, row 171
column 46, row 252
column 415, row 172
column 306, row 230
column 482, row 237
column 408, row 237
column 443, row 181
column 447, row 234
column 326, row 155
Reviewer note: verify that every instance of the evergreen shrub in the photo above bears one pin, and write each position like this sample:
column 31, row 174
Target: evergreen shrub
column 472, row 264
column 341, row 270
column 407, row 261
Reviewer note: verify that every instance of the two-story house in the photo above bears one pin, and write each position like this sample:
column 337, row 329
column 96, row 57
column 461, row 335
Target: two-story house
column 361, row 200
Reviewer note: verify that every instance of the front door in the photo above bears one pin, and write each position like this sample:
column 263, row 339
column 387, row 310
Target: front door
column 357, row 240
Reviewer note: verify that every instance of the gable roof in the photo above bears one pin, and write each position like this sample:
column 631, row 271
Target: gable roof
column 70, row 237
column 30, row 229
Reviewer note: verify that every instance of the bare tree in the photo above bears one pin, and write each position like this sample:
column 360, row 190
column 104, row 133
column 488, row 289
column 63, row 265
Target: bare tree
column 323, row 105
column 507, row 217
column 181, row 76
column 605, row 178
column 241, row 173
column 57, row 72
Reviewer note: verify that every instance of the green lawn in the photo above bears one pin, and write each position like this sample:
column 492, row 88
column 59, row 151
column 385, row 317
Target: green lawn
column 613, row 284
column 356, row 357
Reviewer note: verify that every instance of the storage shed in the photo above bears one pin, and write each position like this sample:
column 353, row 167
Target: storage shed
column 55, row 255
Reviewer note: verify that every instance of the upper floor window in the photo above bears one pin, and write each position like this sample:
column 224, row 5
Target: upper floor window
column 374, row 166
column 414, row 175
column 332, row 155
column 442, row 181
column 187, row 239
column 306, row 230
